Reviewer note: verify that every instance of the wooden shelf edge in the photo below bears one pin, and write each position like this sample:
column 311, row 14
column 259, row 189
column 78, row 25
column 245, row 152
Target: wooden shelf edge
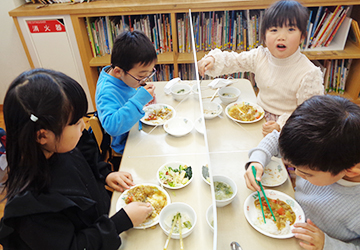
column 101, row 61
column 347, row 96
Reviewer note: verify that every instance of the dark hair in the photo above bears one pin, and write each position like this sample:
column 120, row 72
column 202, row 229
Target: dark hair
column 285, row 12
column 56, row 100
column 131, row 48
column 323, row 134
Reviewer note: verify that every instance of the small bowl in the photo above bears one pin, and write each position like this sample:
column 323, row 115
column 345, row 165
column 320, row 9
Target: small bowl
column 178, row 126
column 180, row 91
column 211, row 109
column 210, row 217
column 229, row 94
column 205, row 170
column 168, row 213
column 195, row 90
column 199, row 125
column 229, row 181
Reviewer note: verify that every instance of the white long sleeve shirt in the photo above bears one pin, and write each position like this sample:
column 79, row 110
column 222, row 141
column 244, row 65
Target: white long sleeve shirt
column 283, row 83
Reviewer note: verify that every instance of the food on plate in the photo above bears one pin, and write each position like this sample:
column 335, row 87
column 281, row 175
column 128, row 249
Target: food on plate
column 163, row 113
column 283, row 213
column 244, row 112
column 205, row 173
column 175, row 177
column 211, row 111
column 223, row 190
column 178, row 218
column 146, row 193
column 274, row 174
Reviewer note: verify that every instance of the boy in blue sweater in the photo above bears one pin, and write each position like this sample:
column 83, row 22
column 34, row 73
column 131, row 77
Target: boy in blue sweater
column 121, row 91
column 321, row 140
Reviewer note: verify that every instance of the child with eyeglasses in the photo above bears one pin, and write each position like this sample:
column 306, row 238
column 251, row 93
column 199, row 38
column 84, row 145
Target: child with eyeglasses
column 121, row 90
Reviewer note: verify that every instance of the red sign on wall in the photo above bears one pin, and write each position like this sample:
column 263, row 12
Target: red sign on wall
column 46, row 26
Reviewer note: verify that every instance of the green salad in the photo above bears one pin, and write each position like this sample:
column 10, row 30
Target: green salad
column 175, row 177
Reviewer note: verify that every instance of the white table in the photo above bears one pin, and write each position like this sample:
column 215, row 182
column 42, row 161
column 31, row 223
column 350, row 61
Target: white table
column 228, row 143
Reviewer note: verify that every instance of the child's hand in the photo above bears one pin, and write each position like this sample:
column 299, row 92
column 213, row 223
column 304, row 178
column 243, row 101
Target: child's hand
column 249, row 177
column 313, row 237
column 269, row 127
column 138, row 212
column 119, row 180
column 150, row 88
column 205, row 64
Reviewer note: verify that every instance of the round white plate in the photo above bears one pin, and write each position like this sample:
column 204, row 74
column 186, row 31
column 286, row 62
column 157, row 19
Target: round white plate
column 121, row 203
column 199, row 125
column 260, row 109
column 211, row 109
column 252, row 214
column 274, row 175
column 156, row 108
column 173, row 165
column 178, row 126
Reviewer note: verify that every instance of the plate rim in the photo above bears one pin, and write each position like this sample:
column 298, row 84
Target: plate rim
column 284, row 236
column 161, row 123
column 252, row 104
column 156, row 221
column 182, row 118
column 197, row 127
column 167, row 186
column 285, row 175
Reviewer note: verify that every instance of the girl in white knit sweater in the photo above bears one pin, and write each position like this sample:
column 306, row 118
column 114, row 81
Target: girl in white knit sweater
column 284, row 76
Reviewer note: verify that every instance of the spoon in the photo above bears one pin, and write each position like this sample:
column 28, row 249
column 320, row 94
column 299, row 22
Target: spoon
column 235, row 246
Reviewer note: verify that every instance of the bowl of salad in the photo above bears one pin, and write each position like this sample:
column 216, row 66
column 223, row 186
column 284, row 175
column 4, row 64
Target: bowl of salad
column 174, row 175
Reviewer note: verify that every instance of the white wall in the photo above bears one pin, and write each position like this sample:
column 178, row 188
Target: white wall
column 13, row 60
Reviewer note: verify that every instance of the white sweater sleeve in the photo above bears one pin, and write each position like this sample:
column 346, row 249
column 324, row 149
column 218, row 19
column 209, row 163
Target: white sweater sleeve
column 230, row 62
column 311, row 84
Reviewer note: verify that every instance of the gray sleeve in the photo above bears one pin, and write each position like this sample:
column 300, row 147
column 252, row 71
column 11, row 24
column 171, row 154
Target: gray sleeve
column 267, row 148
column 335, row 244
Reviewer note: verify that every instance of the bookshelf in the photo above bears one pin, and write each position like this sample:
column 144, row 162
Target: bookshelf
column 78, row 13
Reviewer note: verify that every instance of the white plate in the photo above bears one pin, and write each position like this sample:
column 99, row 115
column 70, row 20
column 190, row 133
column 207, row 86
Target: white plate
column 257, row 107
column 121, row 203
column 211, row 109
column 252, row 214
column 178, row 126
column 199, row 125
column 173, row 165
column 156, row 108
column 274, row 175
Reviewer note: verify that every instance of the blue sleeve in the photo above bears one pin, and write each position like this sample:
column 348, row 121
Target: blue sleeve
column 118, row 119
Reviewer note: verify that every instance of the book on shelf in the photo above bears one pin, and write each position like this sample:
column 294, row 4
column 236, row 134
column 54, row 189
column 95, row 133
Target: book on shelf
column 336, row 72
column 354, row 33
column 330, row 31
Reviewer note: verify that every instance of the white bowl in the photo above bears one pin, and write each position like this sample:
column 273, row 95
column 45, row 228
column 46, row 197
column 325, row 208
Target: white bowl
column 199, row 125
column 210, row 217
column 211, row 109
column 229, row 181
column 178, row 126
column 229, row 94
column 167, row 214
column 173, row 165
column 195, row 90
column 205, row 169
column 180, row 91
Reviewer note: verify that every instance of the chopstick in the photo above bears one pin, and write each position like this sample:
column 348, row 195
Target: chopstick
column 171, row 231
column 263, row 191
column 212, row 98
column 181, row 239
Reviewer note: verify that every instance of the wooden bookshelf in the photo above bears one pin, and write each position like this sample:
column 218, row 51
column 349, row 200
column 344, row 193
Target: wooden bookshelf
column 99, row 8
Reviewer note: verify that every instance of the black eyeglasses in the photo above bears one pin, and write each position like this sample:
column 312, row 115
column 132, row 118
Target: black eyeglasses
column 142, row 81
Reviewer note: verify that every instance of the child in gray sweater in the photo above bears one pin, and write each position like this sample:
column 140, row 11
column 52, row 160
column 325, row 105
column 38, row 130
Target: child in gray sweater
column 321, row 140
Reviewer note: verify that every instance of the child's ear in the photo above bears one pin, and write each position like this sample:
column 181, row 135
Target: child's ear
column 353, row 171
column 302, row 39
column 118, row 72
column 42, row 136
